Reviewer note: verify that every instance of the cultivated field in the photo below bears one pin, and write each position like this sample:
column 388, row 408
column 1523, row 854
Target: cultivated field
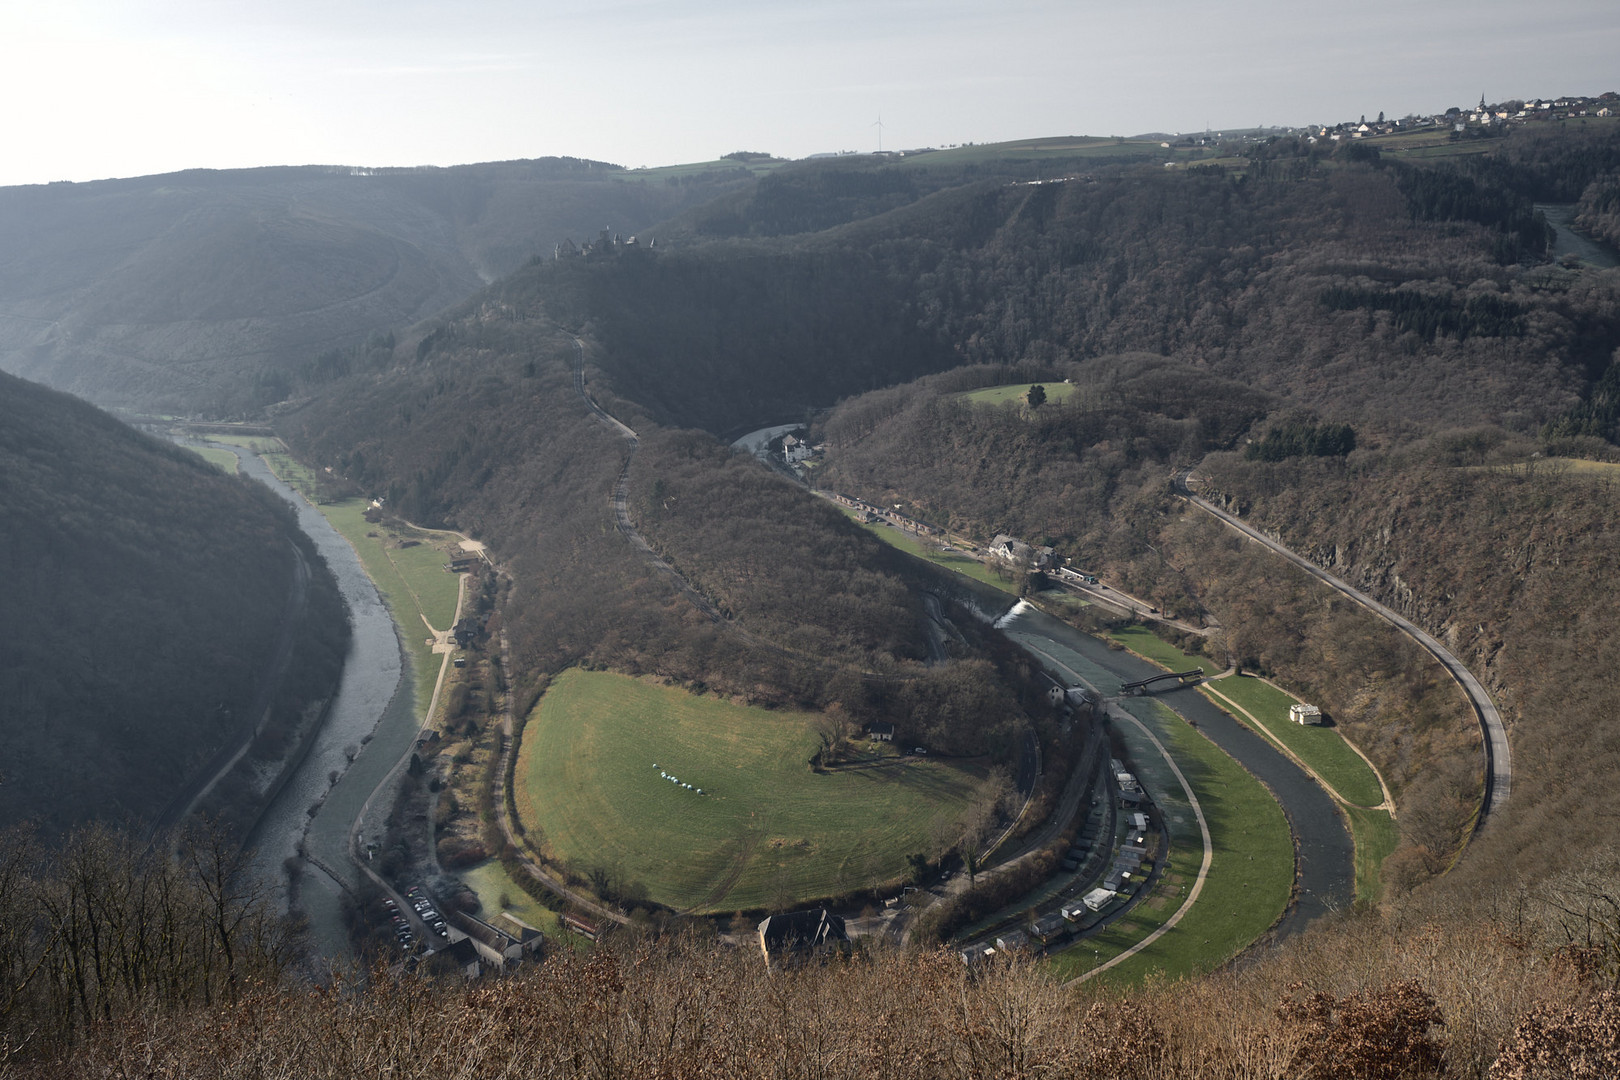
column 767, row 832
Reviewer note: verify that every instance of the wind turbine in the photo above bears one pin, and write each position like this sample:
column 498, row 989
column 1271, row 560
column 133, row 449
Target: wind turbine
column 879, row 126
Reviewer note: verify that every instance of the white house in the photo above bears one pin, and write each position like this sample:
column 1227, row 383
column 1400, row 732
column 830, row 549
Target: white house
column 1011, row 550
column 1305, row 714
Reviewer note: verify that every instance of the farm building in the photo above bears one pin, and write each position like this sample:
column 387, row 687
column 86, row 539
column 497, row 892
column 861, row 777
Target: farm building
column 1305, row 714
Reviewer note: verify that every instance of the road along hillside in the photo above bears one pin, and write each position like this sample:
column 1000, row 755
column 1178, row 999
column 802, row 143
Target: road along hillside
column 1498, row 754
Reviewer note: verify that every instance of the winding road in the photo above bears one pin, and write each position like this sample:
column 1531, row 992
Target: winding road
column 1498, row 753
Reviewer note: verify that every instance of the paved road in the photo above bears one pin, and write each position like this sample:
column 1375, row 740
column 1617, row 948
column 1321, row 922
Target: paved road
column 1498, row 754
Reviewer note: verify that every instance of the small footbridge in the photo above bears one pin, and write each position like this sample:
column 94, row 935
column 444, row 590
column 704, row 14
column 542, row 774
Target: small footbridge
column 1162, row 681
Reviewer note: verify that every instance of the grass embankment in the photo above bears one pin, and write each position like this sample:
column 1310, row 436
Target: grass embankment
column 1320, row 747
column 1376, row 836
column 1148, row 645
column 950, row 559
column 225, row 459
column 1251, row 875
column 1001, row 395
column 411, row 579
column 767, row 831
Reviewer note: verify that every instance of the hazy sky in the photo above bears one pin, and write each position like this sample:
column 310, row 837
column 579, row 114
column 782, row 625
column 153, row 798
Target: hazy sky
column 98, row 88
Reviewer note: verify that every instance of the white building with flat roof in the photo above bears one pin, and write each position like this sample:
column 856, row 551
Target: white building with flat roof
column 1305, row 714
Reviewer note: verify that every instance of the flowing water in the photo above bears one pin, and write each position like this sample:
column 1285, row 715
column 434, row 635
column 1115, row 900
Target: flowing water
column 374, row 710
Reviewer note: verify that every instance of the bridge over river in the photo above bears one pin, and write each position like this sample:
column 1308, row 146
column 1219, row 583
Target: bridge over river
column 1180, row 678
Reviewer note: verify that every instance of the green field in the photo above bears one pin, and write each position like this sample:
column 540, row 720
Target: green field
column 492, row 884
column 412, row 581
column 959, row 561
column 1055, row 150
column 1145, row 643
column 695, row 168
column 225, row 459
column 1000, row 395
column 1322, row 748
column 1376, row 836
column 1251, row 875
column 766, row 833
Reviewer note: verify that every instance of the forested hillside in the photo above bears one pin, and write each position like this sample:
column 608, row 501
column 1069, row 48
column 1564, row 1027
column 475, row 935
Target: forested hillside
column 146, row 593
column 1510, row 564
column 1314, row 303
column 1370, row 358
column 495, row 441
column 209, row 291
column 1388, row 293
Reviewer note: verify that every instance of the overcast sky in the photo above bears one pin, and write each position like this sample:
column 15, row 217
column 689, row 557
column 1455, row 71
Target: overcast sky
column 98, row 88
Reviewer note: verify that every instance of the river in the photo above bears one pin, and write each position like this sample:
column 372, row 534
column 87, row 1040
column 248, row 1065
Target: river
column 1326, row 853
column 1561, row 216
column 374, row 709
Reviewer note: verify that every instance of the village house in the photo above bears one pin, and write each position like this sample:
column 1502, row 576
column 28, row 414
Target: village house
column 1011, row 550
column 796, row 937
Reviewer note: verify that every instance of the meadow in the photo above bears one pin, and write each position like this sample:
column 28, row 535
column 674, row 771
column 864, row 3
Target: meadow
column 1001, row 395
column 412, row 580
column 959, row 561
column 592, row 780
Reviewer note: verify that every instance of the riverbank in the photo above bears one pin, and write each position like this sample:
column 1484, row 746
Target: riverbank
column 370, row 723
